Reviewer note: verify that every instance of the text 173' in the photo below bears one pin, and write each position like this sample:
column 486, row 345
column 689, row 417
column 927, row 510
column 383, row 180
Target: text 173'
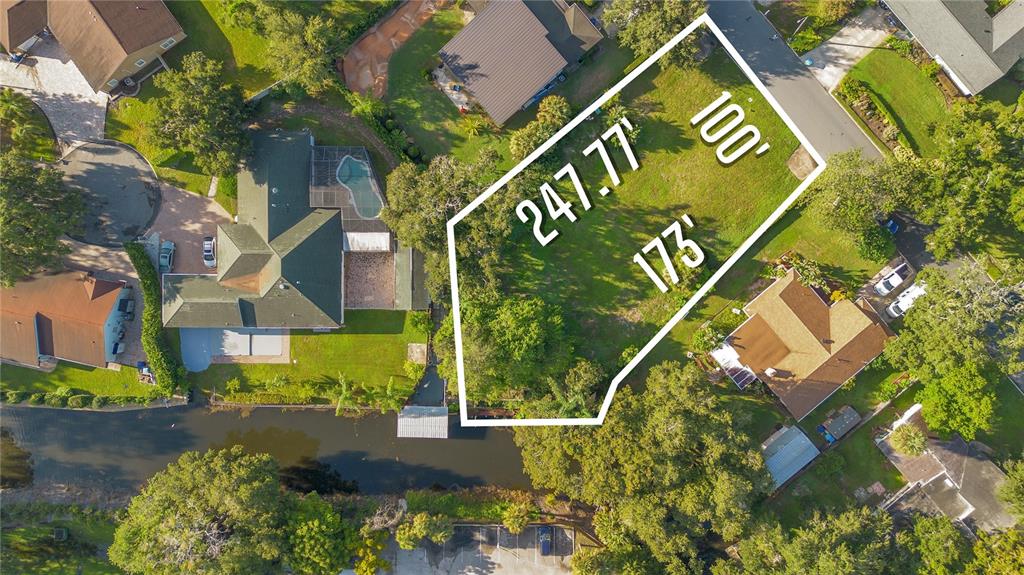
column 689, row 252
column 556, row 206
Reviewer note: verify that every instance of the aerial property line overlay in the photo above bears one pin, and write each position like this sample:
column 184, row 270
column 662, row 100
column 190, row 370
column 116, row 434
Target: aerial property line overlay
column 727, row 153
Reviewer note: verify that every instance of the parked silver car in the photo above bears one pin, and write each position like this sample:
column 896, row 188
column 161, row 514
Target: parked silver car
column 210, row 252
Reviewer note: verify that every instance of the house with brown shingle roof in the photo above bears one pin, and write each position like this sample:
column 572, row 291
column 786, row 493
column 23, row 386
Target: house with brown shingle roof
column 68, row 315
column 108, row 40
column 511, row 53
column 802, row 346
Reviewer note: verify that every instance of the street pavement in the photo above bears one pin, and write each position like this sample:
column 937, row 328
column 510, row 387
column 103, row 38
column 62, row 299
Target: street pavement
column 834, row 57
column 828, row 127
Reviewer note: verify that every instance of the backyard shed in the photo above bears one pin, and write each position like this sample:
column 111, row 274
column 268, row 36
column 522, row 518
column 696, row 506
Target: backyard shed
column 786, row 452
column 842, row 421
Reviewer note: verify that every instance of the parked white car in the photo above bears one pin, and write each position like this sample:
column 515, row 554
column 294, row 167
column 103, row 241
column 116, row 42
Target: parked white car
column 210, row 252
column 905, row 300
column 893, row 280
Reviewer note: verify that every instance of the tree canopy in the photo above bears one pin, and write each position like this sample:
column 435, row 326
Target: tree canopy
column 666, row 466
column 1012, row 491
column 301, row 50
column 36, row 210
column 201, row 114
column 319, row 541
column 646, row 25
column 945, row 342
column 218, row 512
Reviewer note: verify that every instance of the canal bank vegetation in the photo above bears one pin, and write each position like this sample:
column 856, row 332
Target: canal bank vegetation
column 55, row 539
column 493, row 505
column 362, row 365
column 75, row 386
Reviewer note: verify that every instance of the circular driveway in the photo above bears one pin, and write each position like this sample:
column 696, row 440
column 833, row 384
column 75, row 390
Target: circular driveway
column 121, row 193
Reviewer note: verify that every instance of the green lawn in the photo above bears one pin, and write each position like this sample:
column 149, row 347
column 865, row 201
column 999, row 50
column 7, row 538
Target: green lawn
column 1007, row 434
column 912, row 98
column 427, row 115
column 130, row 120
column 786, row 15
column 35, row 140
column 82, row 379
column 603, row 69
column 368, row 351
column 242, row 50
column 32, row 549
column 817, row 490
column 1005, row 92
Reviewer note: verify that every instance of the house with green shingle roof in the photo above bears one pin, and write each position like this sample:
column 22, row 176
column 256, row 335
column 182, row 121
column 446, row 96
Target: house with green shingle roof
column 281, row 264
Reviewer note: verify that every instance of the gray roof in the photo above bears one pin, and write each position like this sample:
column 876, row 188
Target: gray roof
column 786, row 452
column 957, row 477
column 979, row 48
column 512, row 49
column 842, row 421
column 423, row 421
column 281, row 264
column 410, row 278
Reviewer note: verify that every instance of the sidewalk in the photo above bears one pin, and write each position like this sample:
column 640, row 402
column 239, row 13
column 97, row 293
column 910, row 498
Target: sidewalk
column 835, row 56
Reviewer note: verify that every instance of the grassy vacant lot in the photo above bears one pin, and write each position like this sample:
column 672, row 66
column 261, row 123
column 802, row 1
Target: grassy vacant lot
column 1007, row 433
column 32, row 549
column 35, row 139
column 368, row 351
column 912, row 98
column 79, row 378
column 589, row 268
column 422, row 109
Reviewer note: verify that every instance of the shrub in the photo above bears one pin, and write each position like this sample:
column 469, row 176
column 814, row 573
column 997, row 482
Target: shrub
column 627, row 356
column 16, row 396
column 851, row 89
column 437, row 528
column 273, row 398
column 414, row 370
column 706, row 339
column 890, row 133
column 909, row 440
column 413, row 152
column 517, row 516
column 79, row 401
column 99, row 401
column 829, row 12
column 805, row 41
column 37, row 398
column 165, row 364
column 902, row 47
column 232, row 385
column 391, row 124
column 58, row 398
column 874, row 244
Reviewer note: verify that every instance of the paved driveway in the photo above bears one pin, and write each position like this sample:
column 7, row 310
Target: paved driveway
column 818, row 115
column 185, row 218
column 121, row 192
column 52, row 80
column 835, row 56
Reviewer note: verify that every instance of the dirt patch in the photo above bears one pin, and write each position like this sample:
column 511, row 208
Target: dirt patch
column 801, row 164
column 331, row 117
column 365, row 66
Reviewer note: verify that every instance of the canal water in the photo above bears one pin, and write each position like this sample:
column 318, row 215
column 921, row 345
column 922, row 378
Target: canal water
column 114, row 453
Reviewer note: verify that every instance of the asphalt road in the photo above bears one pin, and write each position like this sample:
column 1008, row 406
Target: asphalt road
column 818, row 115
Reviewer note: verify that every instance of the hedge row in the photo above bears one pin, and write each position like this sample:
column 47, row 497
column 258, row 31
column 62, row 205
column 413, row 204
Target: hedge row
column 164, row 363
column 356, row 29
column 64, row 397
column 273, row 398
column 382, row 121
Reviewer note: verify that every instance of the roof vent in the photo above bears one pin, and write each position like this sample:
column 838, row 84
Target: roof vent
column 281, row 286
column 273, row 205
column 770, row 372
column 273, row 190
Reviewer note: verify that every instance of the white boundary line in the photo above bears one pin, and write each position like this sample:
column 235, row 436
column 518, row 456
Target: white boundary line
column 700, row 293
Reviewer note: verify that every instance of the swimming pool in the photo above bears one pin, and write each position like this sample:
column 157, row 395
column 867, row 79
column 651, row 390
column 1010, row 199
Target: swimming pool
column 355, row 176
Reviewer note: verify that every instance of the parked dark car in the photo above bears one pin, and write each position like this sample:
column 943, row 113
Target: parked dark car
column 545, row 537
